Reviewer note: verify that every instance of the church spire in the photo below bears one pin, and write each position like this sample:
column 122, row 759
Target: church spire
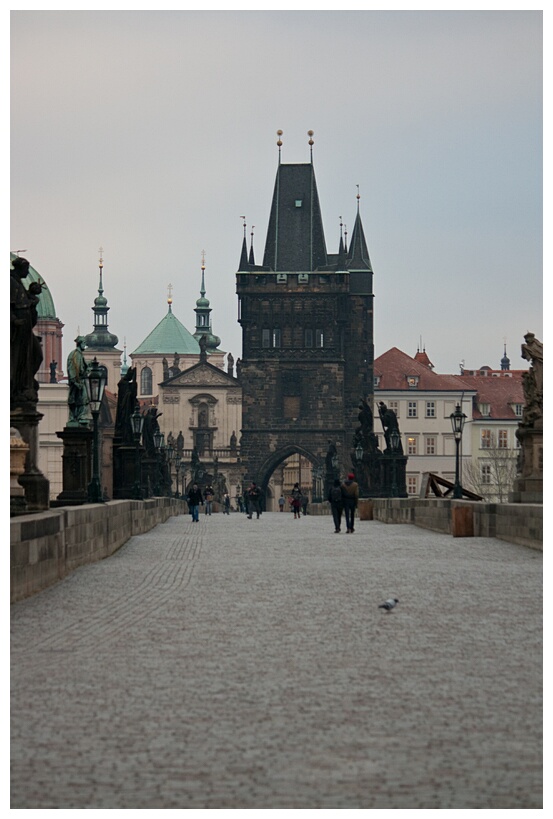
column 251, row 258
column 203, row 317
column 101, row 338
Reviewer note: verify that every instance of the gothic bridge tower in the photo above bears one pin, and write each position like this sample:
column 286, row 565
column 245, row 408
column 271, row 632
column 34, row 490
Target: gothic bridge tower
column 307, row 332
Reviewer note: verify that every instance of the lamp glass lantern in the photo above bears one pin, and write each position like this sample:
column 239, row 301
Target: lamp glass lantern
column 137, row 422
column 95, row 384
column 359, row 452
column 394, row 440
column 458, row 419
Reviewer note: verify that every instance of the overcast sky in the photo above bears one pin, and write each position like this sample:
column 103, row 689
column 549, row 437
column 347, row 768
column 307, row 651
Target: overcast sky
column 151, row 133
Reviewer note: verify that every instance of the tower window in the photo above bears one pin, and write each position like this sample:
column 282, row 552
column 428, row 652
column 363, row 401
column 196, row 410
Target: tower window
column 298, row 203
column 308, row 337
column 146, row 381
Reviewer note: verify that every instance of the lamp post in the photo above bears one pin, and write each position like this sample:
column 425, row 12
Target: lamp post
column 158, row 441
column 137, row 422
column 95, row 383
column 394, row 446
column 458, row 419
column 183, row 469
column 178, row 461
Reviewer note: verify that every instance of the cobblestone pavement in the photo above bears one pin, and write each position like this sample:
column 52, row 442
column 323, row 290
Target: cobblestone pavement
column 237, row 663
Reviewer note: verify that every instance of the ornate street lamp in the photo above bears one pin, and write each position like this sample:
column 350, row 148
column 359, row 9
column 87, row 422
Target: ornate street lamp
column 95, row 384
column 359, row 453
column 137, row 422
column 178, row 461
column 183, row 468
column 458, row 419
column 395, row 439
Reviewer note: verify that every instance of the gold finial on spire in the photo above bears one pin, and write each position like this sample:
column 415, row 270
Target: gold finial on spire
column 244, row 225
column 101, row 252
column 311, row 143
column 203, row 259
column 169, row 291
column 279, row 140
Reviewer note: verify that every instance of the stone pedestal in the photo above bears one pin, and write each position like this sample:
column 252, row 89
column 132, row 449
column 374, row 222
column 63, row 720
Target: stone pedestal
column 528, row 485
column 36, row 487
column 125, row 472
column 77, row 465
column 393, row 476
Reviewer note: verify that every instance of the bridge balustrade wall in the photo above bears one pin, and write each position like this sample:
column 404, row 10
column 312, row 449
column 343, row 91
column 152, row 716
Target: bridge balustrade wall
column 46, row 546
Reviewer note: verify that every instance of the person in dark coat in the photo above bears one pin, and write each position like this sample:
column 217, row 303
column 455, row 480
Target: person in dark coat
column 336, row 504
column 194, row 499
column 254, row 500
column 297, row 498
column 350, row 496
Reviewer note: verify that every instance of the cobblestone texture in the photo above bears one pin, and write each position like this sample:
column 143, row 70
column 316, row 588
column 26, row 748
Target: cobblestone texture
column 238, row 663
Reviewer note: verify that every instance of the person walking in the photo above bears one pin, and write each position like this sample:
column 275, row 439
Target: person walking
column 194, row 499
column 304, row 502
column 281, row 503
column 336, row 505
column 350, row 496
column 297, row 497
column 209, row 495
column 226, row 503
column 254, row 500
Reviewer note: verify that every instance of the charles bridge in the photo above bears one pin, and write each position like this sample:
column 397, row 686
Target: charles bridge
column 243, row 663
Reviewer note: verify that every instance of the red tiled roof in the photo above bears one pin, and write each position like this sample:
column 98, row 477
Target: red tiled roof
column 394, row 366
column 499, row 392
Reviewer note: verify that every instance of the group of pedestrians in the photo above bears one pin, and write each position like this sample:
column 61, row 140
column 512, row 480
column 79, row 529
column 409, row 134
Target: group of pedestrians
column 343, row 498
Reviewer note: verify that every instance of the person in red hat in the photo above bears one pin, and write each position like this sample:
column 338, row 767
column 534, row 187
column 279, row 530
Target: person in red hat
column 350, row 496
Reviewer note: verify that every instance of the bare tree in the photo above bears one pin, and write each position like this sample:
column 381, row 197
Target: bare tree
column 493, row 474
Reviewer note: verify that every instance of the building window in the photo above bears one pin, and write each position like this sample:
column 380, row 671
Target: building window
column 291, row 407
column 503, row 439
column 484, row 410
column 486, row 439
column 319, row 338
column 265, row 338
column 376, row 380
column 276, row 337
column 518, row 409
column 412, row 485
column 430, row 446
column 430, row 409
column 308, row 335
column 412, row 381
column 146, row 381
column 271, row 338
column 411, row 445
column 486, row 473
column 412, row 409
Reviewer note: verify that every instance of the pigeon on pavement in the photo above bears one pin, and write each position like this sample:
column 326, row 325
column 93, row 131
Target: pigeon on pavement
column 389, row 604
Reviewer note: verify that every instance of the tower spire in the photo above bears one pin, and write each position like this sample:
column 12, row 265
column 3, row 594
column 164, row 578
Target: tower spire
column 243, row 265
column 251, row 259
column 169, row 297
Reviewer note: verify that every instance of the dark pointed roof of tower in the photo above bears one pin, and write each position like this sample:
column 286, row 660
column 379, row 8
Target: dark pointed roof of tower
column 295, row 236
column 358, row 254
column 244, row 265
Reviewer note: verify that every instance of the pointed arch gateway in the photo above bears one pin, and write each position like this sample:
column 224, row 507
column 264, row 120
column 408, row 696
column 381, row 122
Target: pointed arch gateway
column 280, row 456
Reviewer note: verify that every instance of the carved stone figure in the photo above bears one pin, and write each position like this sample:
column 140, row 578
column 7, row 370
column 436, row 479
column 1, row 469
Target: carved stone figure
column 170, row 440
column 53, row 367
column 25, row 347
column 151, row 426
column 77, row 399
column 165, row 365
column 126, row 404
column 175, row 367
column 532, row 381
column 180, row 443
column 233, row 440
column 389, row 423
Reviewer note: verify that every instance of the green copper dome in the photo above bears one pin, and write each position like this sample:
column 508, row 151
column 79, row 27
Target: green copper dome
column 45, row 306
column 168, row 337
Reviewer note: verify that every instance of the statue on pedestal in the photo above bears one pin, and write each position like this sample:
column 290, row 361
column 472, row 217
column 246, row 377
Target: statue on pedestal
column 532, row 383
column 77, row 399
column 126, row 404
